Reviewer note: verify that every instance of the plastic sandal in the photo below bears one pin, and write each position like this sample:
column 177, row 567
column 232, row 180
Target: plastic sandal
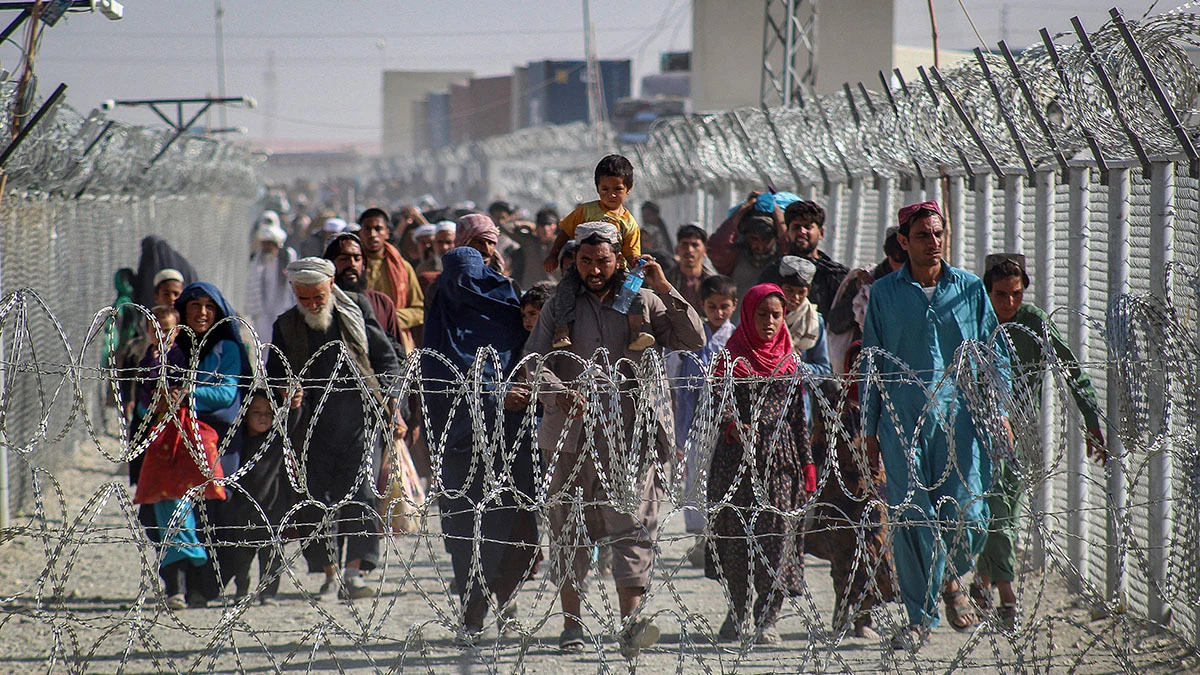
column 960, row 612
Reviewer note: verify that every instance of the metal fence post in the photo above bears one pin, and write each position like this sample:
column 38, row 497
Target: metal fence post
column 834, row 216
column 1162, row 254
column 852, row 222
column 958, row 221
column 886, row 215
column 983, row 219
column 1077, row 289
column 1014, row 213
column 1043, row 284
column 1118, row 285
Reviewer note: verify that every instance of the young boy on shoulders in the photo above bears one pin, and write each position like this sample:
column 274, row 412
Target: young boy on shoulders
column 614, row 180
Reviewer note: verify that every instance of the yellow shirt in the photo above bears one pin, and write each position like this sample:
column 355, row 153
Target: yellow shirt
column 631, row 234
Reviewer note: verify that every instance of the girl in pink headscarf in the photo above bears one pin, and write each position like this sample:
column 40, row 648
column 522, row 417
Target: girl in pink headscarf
column 761, row 471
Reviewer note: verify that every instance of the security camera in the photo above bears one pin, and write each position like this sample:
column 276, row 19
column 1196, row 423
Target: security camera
column 111, row 9
column 108, row 104
column 249, row 102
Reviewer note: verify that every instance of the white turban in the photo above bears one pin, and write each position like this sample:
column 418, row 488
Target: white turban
column 445, row 226
column 310, row 271
column 423, row 231
column 334, row 225
column 606, row 231
column 270, row 231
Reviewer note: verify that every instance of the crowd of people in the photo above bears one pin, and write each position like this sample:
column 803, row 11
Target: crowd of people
column 840, row 424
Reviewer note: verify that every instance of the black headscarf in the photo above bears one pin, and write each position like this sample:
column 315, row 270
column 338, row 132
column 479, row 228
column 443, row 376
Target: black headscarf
column 157, row 255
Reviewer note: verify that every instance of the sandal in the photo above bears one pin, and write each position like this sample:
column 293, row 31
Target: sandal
column 960, row 612
column 981, row 595
column 1007, row 613
column 910, row 638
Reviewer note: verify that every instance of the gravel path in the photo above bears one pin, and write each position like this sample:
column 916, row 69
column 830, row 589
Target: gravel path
column 81, row 596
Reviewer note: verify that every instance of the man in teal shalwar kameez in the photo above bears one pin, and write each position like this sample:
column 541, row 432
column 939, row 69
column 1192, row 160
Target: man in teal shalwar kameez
column 916, row 417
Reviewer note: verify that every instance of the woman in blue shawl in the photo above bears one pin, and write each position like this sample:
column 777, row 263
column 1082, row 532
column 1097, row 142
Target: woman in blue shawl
column 214, row 344
column 486, row 464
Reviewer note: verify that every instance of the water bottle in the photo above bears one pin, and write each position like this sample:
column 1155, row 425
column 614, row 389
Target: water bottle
column 629, row 290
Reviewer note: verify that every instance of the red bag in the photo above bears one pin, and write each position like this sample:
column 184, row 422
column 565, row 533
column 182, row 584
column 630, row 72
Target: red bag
column 169, row 468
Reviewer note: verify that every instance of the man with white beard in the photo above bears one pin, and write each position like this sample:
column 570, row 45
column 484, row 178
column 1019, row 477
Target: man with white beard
column 347, row 410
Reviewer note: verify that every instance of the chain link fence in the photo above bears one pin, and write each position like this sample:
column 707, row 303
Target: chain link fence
column 80, row 193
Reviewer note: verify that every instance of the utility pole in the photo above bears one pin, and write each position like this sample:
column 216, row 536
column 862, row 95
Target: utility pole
column 789, row 35
column 221, row 61
column 595, row 92
column 270, row 85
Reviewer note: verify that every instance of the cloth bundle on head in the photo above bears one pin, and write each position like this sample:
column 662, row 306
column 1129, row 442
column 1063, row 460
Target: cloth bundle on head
column 445, row 226
column 751, row 354
column 598, row 228
column 169, row 274
column 912, row 211
column 475, row 226
column 310, row 271
column 767, row 202
column 425, row 230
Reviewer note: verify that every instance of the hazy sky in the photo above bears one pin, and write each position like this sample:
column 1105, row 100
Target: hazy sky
column 329, row 54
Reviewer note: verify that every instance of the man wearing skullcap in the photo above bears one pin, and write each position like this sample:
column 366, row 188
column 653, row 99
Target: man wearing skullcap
column 341, row 427
column 442, row 242
column 932, row 440
column 391, row 274
column 267, row 291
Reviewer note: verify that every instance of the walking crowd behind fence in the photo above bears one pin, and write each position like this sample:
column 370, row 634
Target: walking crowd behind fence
column 621, row 411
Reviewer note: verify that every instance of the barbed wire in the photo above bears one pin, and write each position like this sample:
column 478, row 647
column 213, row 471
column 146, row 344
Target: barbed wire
column 84, row 533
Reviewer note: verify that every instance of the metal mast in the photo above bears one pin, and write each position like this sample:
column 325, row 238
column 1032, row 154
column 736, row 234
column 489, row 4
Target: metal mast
column 789, row 51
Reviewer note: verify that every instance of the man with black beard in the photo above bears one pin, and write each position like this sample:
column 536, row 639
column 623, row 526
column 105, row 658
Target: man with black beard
column 334, row 363
column 805, row 222
column 573, row 423
column 345, row 251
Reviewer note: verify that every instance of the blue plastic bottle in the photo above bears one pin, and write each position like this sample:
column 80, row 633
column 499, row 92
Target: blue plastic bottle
column 629, row 290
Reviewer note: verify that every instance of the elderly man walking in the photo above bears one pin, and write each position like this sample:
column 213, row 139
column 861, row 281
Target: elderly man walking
column 917, row 419
column 346, row 412
column 590, row 458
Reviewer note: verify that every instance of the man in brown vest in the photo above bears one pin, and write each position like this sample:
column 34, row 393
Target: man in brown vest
column 346, row 414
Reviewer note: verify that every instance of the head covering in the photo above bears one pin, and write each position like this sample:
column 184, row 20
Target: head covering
column 796, row 271
column 270, row 230
column 221, row 330
column 910, row 212
column 606, row 231
column 168, row 274
column 475, row 306
column 758, row 224
column 333, row 225
column 445, row 226
column 158, row 255
column 268, row 218
column 425, row 230
column 475, row 226
column 333, row 247
column 310, row 271
column 752, row 355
